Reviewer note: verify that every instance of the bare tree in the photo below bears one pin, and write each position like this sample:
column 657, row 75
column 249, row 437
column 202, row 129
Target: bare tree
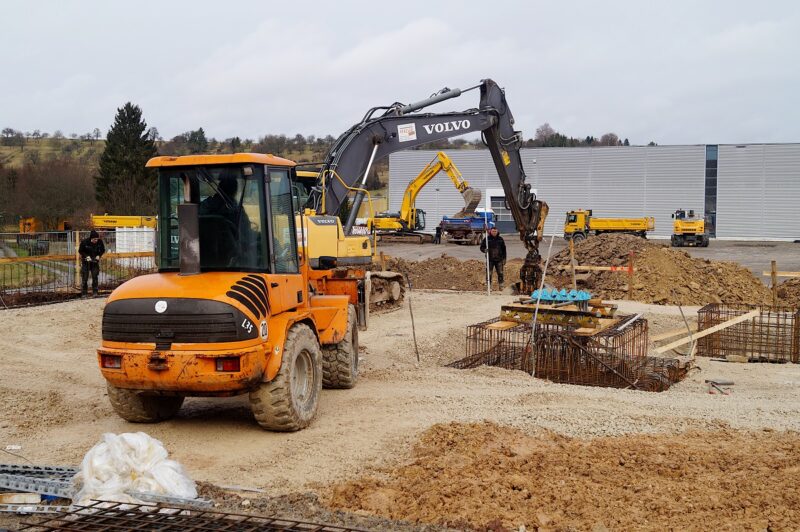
column 53, row 190
column 544, row 131
column 609, row 139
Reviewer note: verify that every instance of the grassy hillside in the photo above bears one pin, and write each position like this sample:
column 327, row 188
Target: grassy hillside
column 14, row 157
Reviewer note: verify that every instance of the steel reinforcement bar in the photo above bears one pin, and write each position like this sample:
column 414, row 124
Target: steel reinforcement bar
column 122, row 517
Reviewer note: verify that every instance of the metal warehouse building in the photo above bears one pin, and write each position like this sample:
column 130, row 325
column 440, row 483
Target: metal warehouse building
column 748, row 191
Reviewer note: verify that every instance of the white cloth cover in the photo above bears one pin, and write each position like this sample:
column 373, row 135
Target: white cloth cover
column 130, row 462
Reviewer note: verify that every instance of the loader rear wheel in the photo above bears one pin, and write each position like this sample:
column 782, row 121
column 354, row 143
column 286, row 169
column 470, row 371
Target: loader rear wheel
column 340, row 361
column 138, row 407
column 289, row 402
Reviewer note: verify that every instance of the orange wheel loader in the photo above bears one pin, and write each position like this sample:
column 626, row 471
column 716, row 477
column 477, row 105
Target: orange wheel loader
column 231, row 309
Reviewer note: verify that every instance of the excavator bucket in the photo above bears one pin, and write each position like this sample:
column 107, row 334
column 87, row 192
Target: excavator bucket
column 472, row 197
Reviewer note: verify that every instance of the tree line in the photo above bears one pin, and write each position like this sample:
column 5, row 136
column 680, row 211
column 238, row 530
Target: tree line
column 65, row 186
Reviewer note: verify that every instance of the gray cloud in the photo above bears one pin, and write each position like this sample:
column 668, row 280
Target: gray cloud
column 679, row 72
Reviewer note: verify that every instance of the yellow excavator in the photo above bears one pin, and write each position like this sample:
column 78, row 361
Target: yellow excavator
column 324, row 237
column 404, row 226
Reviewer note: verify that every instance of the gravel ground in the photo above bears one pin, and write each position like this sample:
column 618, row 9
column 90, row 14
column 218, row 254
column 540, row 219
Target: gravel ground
column 54, row 403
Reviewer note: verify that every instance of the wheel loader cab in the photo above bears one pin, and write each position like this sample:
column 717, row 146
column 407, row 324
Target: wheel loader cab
column 229, row 311
column 245, row 221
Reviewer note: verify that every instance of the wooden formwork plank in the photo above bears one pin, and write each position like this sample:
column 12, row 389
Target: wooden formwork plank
column 706, row 332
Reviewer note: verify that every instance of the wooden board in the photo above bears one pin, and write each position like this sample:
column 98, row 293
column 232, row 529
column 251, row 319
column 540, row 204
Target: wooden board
column 502, row 325
column 670, row 334
column 706, row 332
column 781, row 274
column 130, row 254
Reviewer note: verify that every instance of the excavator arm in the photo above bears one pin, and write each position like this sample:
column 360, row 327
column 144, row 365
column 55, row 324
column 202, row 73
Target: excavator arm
column 385, row 130
column 441, row 163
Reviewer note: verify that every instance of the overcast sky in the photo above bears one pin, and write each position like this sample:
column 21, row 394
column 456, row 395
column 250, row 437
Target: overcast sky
column 673, row 72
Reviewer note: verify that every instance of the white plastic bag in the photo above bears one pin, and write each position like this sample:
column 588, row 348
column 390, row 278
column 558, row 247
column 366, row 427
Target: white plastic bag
column 130, row 462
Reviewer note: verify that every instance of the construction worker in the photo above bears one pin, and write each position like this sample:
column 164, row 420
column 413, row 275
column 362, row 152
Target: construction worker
column 438, row 238
column 90, row 250
column 497, row 254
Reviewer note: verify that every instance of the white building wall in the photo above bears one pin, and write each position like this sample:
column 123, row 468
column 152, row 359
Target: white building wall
column 758, row 191
column 613, row 181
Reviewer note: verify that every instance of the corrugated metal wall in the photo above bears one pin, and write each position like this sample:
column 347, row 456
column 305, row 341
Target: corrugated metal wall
column 758, row 191
column 614, row 181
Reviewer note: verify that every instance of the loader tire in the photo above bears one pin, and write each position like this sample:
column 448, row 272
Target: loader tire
column 340, row 361
column 289, row 401
column 137, row 407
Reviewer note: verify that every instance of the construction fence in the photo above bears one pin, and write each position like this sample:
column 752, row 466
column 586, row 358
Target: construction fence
column 44, row 267
column 616, row 357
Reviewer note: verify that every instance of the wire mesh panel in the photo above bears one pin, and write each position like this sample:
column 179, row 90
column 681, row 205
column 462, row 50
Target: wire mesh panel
column 45, row 267
column 616, row 357
column 772, row 336
column 114, row 516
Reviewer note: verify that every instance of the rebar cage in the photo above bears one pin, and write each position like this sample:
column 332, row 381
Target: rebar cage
column 121, row 517
column 772, row 336
column 616, row 357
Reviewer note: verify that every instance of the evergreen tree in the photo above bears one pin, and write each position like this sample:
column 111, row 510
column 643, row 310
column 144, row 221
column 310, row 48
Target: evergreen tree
column 197, row 141
column 123, row 185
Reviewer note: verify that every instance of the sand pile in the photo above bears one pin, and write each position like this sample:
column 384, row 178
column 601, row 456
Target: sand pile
column 486, row 476
column 450, row 273
column 663, row 275
column 789, row 292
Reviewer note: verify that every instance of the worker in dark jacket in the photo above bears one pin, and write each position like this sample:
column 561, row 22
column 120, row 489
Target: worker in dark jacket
column 90, row 250
column 497, row 254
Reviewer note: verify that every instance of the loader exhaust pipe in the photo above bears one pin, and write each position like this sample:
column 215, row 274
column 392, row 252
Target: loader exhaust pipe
column 189, row 232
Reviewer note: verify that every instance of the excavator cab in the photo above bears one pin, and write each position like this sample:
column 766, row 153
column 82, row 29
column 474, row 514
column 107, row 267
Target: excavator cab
column 419, row 219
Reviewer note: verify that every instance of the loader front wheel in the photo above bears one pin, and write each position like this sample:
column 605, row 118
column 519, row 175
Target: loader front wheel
column 138, row 407
column 289, row 402
column 340, row 361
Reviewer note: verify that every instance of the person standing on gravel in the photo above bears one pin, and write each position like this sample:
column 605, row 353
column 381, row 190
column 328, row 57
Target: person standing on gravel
column 90, row 250
column 496, row 247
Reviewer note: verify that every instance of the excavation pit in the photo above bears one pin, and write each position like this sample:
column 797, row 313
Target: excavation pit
column 615, row 357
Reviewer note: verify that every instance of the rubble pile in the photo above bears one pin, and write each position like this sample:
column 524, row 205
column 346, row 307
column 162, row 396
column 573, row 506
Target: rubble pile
column 663, row 275
column 450, row 273
column 789, row 292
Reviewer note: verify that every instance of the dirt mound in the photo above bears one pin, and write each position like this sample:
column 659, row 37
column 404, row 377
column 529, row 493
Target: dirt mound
column 789, row 292
column 663, row 275
column 449, row 273
column 490, row 477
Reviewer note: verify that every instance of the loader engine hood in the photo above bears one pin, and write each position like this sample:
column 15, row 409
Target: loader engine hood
column 170, row 308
